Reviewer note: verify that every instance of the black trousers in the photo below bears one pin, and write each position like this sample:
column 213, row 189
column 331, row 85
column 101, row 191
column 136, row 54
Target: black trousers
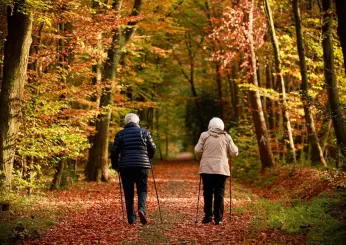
column 130, row 177
column 214, row 185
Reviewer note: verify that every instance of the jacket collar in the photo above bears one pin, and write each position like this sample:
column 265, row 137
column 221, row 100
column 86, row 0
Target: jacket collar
column 216, row 132
column 131, row 125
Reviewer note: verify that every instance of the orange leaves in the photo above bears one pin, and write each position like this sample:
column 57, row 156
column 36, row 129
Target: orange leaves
column 91, row 214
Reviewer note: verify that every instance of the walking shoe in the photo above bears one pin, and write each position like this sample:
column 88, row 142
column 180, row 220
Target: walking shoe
column 218, row 222
column 142, row 218
column 207, row 220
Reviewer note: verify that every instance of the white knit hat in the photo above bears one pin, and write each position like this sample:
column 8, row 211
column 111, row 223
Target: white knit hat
column 131, row 117
column 216, row 123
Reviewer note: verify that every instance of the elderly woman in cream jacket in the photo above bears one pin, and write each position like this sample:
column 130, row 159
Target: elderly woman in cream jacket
column 213, row 149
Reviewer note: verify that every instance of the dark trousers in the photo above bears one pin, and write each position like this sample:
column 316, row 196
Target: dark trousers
column 214, row 185
column 130, row 177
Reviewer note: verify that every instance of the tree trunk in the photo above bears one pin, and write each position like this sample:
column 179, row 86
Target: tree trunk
column 280, row 79
column 56, row 183
column 98, row 168
column 271, row 109
column 269, row 102
column 331, row 84
column 219, row 89
column 340, row 12
column 91, row 168
column 191, row 79
column 16, row 54
column 33, row 53
column 235, row 93
column 262, row 136
column 195, row 95
column 313, row 138
column 158, row 136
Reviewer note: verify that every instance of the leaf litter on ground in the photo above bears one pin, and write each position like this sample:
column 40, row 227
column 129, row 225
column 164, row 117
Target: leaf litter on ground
column 94, row 214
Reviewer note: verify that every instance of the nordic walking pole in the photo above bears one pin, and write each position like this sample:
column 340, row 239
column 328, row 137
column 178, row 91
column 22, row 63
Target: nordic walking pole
column 199, row 191
column 157, row 195
column 230, row 190
column 121, row 197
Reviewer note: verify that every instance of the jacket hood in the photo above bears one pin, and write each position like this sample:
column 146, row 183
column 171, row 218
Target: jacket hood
column 216, row 123
column 216, row 132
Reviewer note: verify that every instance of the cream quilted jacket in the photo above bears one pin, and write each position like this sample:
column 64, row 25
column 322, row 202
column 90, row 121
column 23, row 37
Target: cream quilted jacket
column 213, row 149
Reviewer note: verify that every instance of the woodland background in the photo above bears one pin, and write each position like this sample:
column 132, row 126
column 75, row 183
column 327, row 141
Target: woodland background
column 70, row 71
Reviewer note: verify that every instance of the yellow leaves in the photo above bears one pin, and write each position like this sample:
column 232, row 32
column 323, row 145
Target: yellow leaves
column 161, row 52
column 265, row 92
column 141, row 105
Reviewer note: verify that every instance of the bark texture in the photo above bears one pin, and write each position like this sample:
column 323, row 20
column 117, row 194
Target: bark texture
column 341, row 13
column 262, row 135
column 16, row 54
column 313, row 138
column 280, row 79
column 97, row 167
column 338, row 118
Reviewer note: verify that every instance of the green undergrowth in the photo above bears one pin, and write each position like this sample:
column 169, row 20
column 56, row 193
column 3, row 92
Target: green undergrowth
column 295, row 200
column 321, row 220
column 24, row 220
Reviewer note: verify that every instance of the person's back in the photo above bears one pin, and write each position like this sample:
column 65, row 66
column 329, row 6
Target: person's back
column 213, row 149
column 135, row 146
column 131, row 155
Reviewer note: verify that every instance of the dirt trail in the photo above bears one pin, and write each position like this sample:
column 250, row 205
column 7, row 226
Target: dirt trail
column 96, row 217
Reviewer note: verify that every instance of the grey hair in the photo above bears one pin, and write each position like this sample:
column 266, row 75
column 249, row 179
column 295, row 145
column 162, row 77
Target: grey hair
column 131, row 117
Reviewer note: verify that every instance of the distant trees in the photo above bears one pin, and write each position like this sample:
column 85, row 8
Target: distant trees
column 229, row 34
column 263, row 139
column 305, row 97
column 175, row 63
column 97, row 167
column 279, row 78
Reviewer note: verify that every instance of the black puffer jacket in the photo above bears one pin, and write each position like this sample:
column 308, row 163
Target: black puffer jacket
column 135, row 147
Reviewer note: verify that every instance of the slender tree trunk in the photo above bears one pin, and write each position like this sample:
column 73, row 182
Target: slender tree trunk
column 262, row 136
column 280, row 79
column 195, row 95
column 56, row 183
column 219, row 89
column 271, row 109
column 263, row 101
column 270, row 104
column 98, row 168
column 235, row 93
column 166, row 144
column 91, row 169
column 326, row 133
column 191, row 79
column 329, row 73
column 313, row 138
column 216, row 14
column 158, row 135
column 16, row 54
column 341, row 13
column 34, row 49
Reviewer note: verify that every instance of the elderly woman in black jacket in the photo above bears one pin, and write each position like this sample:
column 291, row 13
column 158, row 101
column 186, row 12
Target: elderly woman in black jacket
column 131, row 155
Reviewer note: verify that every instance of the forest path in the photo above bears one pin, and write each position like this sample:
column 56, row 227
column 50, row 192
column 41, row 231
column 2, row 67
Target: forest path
column 95, row 215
